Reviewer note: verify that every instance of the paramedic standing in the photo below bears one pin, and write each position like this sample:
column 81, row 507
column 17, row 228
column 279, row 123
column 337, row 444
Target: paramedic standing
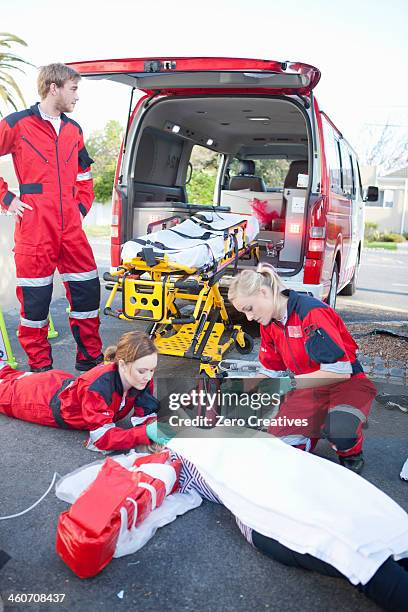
column 56, row 191
column 327, row 386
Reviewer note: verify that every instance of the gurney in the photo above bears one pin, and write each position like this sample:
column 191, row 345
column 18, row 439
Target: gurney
column 170, row 278
column 197, row 242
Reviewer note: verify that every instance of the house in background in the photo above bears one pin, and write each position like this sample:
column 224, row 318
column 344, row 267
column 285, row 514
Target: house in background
column 390, row 211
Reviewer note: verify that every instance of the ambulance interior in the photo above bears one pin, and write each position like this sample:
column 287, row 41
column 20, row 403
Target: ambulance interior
column 259, row 151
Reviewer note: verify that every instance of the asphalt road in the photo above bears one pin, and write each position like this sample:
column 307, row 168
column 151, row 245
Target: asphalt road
column 382, row 288
column 200, row 562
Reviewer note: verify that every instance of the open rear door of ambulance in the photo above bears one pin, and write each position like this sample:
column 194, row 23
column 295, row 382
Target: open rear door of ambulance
column 178, row 75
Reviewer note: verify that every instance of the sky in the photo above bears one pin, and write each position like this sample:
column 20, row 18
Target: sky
column 360, row 47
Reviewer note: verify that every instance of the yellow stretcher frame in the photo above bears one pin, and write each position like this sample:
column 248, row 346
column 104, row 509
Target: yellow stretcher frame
column 207, row 333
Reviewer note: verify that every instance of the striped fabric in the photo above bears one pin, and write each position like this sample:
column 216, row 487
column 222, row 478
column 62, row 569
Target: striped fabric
column 191, row 480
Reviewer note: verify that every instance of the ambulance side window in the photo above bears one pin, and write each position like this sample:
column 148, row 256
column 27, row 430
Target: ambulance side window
column 346, row 170
column 332, row 157
column 201, row 186
column 354, row 177
column 356, row 168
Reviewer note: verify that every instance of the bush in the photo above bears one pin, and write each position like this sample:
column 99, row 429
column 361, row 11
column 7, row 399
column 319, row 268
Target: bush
column 392, row 237
column 103, row 185
column 371, row 232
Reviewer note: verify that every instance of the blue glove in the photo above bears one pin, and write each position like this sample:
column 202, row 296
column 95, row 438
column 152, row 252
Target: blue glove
column 160, row 433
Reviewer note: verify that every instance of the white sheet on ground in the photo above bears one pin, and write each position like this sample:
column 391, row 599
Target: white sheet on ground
column 307, row 503
column 70, row 487
column 194, row 251
column 404, row 471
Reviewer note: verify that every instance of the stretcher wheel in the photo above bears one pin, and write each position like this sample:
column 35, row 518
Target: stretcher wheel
column 248, row 346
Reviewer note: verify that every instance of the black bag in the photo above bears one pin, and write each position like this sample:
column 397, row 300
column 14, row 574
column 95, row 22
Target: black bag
column 320, row 347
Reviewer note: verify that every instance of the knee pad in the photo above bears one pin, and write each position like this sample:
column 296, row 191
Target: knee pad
column 342, row 428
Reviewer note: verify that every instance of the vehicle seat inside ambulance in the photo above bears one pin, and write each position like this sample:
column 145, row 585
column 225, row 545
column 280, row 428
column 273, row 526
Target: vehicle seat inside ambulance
column 291, row 182
column 245, row 178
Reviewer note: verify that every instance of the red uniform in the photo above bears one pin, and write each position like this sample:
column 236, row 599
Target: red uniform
column 94, row 401
column 313, row 338
column 55, row 180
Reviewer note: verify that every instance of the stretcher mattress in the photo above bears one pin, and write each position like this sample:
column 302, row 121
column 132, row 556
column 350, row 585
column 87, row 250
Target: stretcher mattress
column 197, row 241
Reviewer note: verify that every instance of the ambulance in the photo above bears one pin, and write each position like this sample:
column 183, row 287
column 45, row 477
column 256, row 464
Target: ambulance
column 273, row 151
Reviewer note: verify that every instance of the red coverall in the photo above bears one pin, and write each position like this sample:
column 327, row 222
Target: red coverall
column 55, row 179
column 94, row 401
column 313, row 338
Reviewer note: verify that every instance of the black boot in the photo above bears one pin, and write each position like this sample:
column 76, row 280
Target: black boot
column 83, row 365
column 355, row 463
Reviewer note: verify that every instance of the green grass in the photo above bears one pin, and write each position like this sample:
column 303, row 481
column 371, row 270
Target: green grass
column 97, row 230
column 389, row 246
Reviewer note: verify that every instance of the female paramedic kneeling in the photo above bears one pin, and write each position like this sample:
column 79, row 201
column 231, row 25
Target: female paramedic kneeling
column 303, row 335
column 94, row 401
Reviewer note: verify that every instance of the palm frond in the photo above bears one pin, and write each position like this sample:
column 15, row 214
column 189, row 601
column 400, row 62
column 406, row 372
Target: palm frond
column 9, row 90
column 11, row 38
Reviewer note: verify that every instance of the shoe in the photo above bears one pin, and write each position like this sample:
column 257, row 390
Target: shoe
column 43, row 369
column 83, row 365
column 355, row 463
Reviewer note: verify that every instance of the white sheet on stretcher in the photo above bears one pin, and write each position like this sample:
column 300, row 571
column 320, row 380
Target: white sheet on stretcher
column 193, row 251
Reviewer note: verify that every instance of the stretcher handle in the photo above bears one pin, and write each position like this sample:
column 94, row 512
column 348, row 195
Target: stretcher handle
column 183, row 320
column 109, row 277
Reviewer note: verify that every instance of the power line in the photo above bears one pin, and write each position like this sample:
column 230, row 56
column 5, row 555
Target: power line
column 396, row 125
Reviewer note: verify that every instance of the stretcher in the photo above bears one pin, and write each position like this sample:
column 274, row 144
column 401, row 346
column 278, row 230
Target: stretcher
column 171, row 278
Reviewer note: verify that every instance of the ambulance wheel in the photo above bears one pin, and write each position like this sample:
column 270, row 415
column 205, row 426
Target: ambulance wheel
column 350, row 289
column 334, row 283
column 248, row 346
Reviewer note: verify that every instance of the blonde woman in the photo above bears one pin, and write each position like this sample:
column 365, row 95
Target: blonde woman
column 327, row 386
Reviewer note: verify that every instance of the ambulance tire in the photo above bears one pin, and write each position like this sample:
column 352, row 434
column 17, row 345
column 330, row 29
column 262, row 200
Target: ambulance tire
column 334, row 283
column 350, row 289
column 248, row 346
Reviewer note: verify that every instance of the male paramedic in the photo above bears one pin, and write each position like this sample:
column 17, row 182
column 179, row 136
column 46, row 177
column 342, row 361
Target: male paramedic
column 53, row 169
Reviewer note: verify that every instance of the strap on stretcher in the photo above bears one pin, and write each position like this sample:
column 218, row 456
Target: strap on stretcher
column 151, row 260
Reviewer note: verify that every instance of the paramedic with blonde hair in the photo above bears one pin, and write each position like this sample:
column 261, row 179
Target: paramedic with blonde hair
column 327, row 387
column 56, row 191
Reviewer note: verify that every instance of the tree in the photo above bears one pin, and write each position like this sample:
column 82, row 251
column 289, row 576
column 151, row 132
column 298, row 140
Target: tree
column 103, row 146
column 386, row 148
column 10, row 92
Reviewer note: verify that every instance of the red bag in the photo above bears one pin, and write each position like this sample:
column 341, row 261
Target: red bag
column 88, row 532
column 263, row 211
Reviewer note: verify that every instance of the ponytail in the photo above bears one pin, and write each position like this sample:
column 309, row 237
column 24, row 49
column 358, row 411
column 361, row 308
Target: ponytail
column 110, row 353
column 249, row 282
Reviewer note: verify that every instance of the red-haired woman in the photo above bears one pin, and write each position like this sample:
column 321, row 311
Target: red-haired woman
column 94, row 401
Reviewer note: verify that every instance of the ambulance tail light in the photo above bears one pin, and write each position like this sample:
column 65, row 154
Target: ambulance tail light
column 316, row 244
column 115, row 228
